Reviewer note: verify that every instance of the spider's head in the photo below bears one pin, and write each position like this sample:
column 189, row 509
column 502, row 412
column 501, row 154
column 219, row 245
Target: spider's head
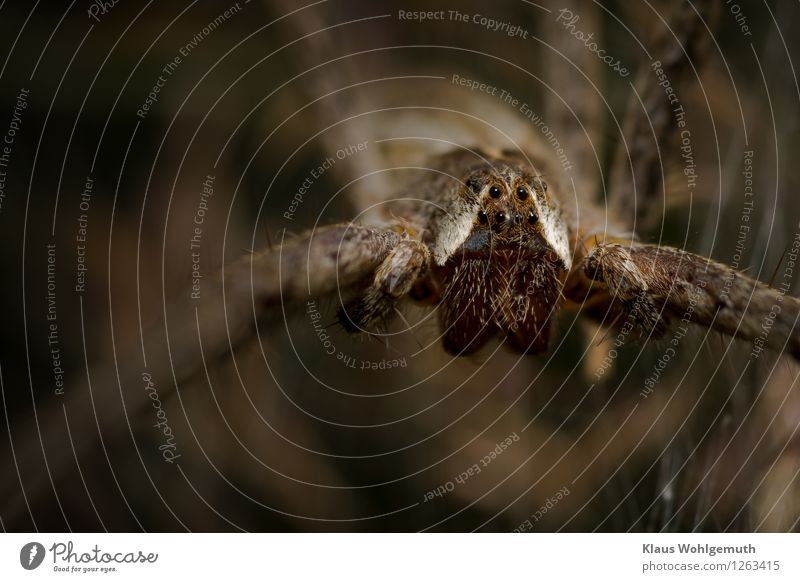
column 501, row 204
column 504, row 259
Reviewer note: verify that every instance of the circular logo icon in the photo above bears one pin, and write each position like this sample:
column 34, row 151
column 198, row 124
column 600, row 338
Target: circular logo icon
column 31, row 555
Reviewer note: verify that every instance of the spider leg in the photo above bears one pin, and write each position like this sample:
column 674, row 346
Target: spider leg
column 658, row 285
column 649, row 128
column 330, row 258
column 393, row 279
column 253, row 290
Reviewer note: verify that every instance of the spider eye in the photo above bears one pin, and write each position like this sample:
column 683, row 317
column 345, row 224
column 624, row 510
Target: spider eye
column 494, row 192
column 544, row 185
column 501, row 216
column 522, row 192
column 483, row 218
column 532, row 218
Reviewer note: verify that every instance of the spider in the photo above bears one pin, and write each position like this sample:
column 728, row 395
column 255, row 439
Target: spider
column 495, row 240
column 492, row 250
column 489, row 243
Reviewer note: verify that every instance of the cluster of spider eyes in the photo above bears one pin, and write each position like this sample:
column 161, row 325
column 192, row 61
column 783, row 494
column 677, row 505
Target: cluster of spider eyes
column 522, row 194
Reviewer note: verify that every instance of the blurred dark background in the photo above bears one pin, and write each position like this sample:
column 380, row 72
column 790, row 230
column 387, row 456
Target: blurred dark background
column 279, row 435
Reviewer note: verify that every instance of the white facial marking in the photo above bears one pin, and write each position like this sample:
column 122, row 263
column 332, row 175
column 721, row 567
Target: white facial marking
column 554, row 229
column 453, row 229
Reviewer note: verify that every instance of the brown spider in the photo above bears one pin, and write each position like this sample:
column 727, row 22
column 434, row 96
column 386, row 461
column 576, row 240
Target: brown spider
column 488, row 242
column 482, row 236
column 492, row 250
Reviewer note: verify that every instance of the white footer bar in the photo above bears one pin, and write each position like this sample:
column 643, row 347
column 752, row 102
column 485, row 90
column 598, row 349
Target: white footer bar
column 401, row 557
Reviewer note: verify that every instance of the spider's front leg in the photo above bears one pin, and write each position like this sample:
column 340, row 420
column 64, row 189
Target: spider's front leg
column 656, row 285
column 393, row 279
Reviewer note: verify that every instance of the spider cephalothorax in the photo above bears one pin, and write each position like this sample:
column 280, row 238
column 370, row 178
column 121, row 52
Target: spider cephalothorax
column 492, row 251
column 504, row 278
